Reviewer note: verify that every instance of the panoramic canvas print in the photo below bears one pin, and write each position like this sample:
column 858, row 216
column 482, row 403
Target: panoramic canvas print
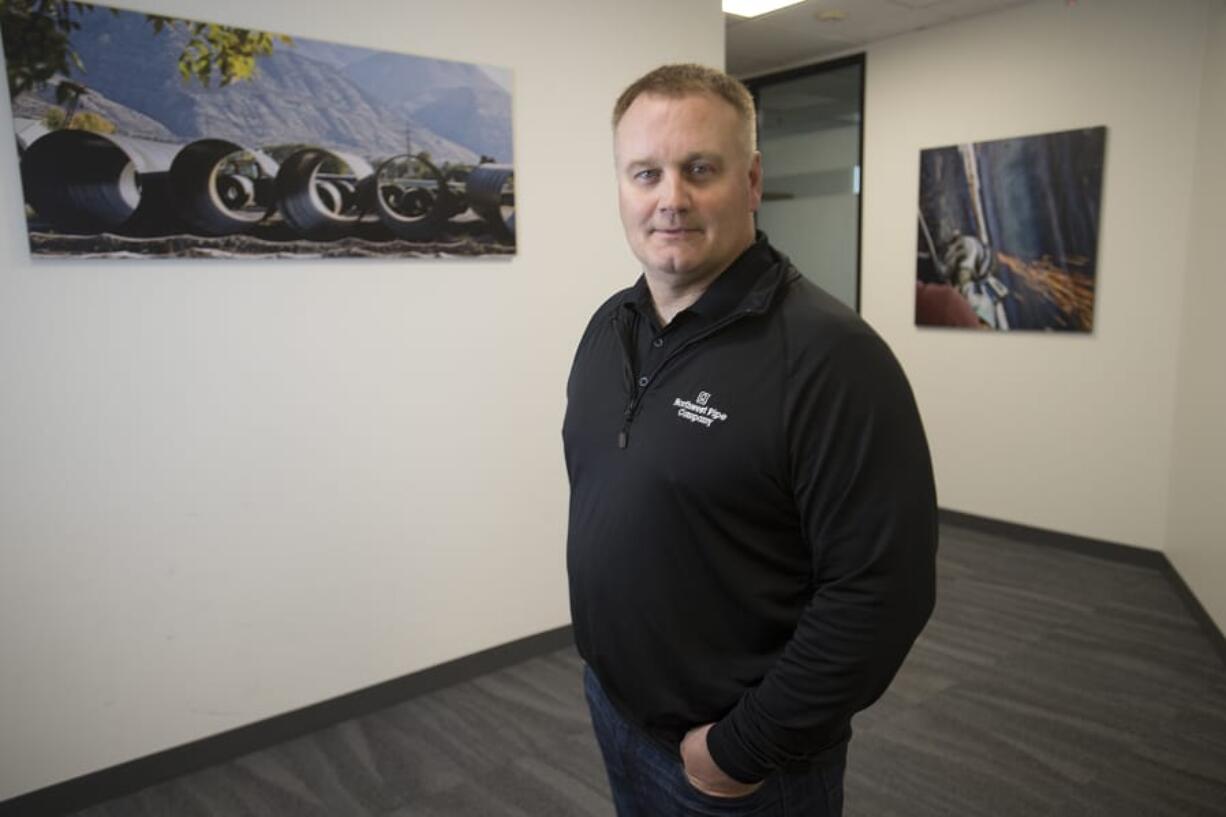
column 141, row 135
column 1008, row 232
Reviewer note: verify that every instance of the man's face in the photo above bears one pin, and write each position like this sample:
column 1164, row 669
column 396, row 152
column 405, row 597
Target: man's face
column 687, row 185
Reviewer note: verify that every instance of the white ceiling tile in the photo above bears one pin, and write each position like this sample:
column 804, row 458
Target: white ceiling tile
column 917, row 4
column 793, row 35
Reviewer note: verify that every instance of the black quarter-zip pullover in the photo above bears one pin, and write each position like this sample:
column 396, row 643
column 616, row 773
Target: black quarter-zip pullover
column 752, row 518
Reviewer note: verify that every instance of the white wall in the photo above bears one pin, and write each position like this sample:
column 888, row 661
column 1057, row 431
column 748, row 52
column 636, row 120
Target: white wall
column 228, row 490
column 1197, row 532
column 1068, row 432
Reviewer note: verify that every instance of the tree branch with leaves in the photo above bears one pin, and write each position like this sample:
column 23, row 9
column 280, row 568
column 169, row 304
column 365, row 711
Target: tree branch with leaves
column 37, row 37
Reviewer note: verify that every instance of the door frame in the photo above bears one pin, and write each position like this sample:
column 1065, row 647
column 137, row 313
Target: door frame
column 757, row 83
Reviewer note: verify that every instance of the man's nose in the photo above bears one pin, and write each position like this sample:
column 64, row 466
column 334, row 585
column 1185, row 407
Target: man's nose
column 674, row 193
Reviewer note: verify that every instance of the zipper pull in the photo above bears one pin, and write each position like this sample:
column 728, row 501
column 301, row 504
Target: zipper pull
column 623, row 436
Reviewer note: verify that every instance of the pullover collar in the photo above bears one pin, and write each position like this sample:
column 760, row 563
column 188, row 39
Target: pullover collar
column 748, row 284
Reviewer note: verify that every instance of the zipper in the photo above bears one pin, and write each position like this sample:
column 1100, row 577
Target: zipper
column 629, row 378
column 636, row 391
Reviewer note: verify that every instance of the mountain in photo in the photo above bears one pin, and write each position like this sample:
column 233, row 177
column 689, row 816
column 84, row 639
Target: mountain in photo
column 456, row 100
column 292, row 98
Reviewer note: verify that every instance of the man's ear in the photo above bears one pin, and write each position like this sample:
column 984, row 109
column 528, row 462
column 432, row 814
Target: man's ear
column 755, row 181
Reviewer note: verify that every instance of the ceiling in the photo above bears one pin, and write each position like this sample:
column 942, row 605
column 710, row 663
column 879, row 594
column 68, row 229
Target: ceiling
column 795, row 36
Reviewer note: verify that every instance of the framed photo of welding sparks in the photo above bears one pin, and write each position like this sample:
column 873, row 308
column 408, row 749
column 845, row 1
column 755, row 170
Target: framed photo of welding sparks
column 142, row 135
column 1008, row 233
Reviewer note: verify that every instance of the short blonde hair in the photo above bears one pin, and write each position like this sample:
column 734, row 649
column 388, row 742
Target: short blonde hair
column 687, row 79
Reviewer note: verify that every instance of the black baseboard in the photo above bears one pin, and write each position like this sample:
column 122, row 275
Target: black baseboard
column 126, row 778
column 1102, row 549
column 1197, row 610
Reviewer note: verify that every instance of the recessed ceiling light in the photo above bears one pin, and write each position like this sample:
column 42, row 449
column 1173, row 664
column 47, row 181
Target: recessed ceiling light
column 756, row 8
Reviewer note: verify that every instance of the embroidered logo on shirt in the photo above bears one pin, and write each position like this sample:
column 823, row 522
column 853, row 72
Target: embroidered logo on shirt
column 699, row 410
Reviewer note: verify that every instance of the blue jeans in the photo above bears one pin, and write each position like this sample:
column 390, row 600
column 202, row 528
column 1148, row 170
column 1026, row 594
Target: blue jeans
column 649, row 781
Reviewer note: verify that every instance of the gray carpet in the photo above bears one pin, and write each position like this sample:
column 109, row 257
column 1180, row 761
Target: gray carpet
column 1047, row 683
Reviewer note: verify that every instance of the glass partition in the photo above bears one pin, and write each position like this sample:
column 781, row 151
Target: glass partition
column 809, row 131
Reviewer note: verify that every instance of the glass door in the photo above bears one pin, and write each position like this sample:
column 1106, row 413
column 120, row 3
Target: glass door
column 810, row 129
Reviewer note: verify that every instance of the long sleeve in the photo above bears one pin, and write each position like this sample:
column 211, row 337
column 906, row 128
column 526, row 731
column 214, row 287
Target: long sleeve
column 863, row 486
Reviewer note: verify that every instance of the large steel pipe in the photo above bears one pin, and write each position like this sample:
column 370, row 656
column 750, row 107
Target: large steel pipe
column 323, row 204
column 28, row 132
column 413, row 199
column 491, row 194
column 83, row 182
column 220, row 188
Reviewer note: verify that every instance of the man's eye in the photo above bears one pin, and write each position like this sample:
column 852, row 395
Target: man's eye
column 647, row 175
column 701, row 169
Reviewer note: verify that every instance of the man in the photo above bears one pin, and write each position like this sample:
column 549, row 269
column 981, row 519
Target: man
column 752, row 519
